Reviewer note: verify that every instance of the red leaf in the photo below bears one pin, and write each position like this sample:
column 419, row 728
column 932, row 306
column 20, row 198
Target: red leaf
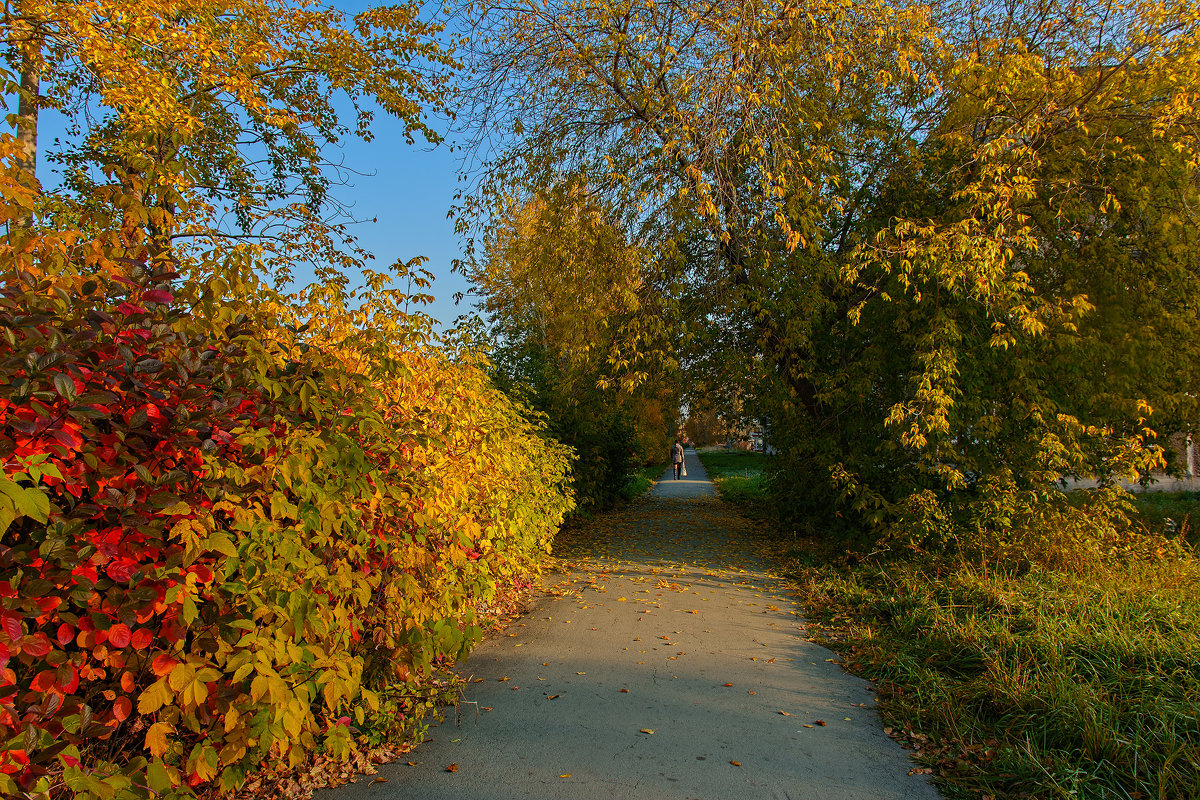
column 68, row 678
column 43, row 680
column 163, row 664
column 121, row 569
column 12, row 627
column 121, row 708
column 47, row 604
column 65, row 634
column 157, row 296
column 36, row 645
column 142, row 638
column 119, row 635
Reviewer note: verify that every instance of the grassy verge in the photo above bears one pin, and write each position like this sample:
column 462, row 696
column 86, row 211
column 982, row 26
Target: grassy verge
column 1040, row 685
column 641, row 480
column 739, row 476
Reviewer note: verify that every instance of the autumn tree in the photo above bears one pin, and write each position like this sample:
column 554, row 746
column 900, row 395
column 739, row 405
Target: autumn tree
column 233, row 104
column 938, row 227
column 582, row 330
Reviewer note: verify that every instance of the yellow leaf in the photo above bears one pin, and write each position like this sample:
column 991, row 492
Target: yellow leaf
column 157, row 741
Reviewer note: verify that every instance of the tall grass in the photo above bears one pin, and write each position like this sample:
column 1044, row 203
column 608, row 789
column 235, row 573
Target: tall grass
column 1044, row 684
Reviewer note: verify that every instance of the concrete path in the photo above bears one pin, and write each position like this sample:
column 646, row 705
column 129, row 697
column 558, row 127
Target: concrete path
column 670, row 664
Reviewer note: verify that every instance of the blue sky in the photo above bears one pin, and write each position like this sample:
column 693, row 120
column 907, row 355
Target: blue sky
column 408, row 189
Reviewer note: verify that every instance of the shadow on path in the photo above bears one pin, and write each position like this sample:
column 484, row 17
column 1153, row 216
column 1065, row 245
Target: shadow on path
column 668, row 663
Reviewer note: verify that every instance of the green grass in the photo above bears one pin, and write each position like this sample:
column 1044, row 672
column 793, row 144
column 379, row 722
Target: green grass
column 1038, row 685
column 641, row 480
column 739, row 475
column 1175, row 513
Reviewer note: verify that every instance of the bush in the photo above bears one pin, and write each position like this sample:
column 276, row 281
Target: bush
column 227, row 543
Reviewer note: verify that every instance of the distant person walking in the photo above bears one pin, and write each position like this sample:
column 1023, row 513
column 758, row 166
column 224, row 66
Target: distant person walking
column 677, row 457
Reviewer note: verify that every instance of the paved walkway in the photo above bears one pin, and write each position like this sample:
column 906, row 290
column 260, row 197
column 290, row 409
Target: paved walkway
column 670, row 665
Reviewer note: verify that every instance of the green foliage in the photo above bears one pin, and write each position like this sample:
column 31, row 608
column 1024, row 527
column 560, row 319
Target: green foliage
column 237, row 528
column 741, row 476
column 1038, row 684
column 1169, row 513
column 641, row 481
column 946, row 253
column 216, row 555
column 580, row 334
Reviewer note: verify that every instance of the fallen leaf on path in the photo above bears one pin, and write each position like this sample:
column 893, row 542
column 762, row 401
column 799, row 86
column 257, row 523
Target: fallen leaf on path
column 485, row 708
column 647, row 730
column 551, row 697
column 785, row 713
column 727, row 684
column 452, row 768
column 736, row 763
column 820, row 722
column 625, row 691
column 413, row 763
column 380, row 780
column 751, row 692
column 565, row 776
column 581, row 673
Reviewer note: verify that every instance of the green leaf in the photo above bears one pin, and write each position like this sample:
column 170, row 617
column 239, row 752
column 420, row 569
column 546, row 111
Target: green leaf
column 65, row 385
column 158, row 777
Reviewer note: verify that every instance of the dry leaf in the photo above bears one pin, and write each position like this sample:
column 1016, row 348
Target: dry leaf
column 751, row 692
column 625, row 691
column 380, row 780
column 452, row 768
column 551, row 697
column 736, row 763
column 786, row 713
column 565, row 776
column 820, row 722
column 727, row 684
column 647, row 730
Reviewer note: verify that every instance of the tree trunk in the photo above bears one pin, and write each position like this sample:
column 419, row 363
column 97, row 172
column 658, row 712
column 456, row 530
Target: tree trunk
column 27, row 115
column 26, row 40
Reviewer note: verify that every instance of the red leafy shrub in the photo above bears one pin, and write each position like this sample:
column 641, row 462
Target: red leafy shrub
column 102, row 445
